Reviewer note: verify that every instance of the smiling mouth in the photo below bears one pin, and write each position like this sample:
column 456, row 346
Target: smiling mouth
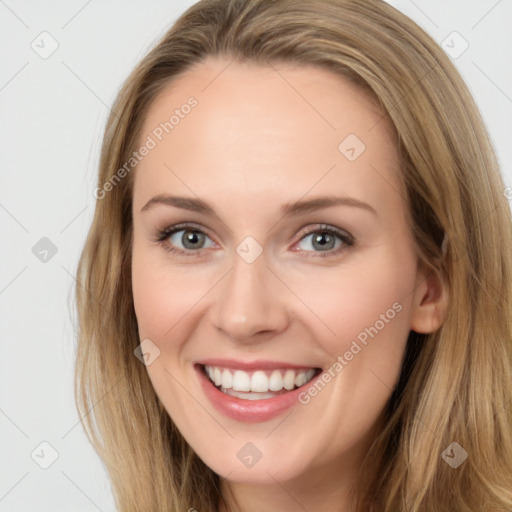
column 258, row 384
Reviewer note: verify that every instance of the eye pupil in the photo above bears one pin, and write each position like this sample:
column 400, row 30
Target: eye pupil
column 191, row 237
column 323, row 239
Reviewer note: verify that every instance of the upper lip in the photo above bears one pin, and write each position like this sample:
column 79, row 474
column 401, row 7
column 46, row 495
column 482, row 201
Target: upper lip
column 259, row 364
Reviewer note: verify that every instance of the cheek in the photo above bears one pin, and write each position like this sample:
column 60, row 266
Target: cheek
column 364, row 301
column 163, row 294
column 365, row 313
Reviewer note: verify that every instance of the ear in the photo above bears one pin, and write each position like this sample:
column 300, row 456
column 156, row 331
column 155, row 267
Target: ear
column 430, row 302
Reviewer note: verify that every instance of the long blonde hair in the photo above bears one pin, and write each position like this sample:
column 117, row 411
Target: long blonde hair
column 456, row 383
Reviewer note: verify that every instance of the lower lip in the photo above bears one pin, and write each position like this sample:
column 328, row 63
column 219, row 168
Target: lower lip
column 249, row 411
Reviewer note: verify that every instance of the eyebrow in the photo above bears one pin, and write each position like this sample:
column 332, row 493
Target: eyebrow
column 292, row 209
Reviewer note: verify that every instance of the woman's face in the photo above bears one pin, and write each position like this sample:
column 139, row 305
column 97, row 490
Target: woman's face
column 295, row 261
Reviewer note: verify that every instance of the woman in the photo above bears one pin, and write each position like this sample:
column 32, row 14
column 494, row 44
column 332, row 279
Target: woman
column 340, row 337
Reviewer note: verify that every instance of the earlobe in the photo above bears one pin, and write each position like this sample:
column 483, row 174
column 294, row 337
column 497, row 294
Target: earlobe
column 430, row 302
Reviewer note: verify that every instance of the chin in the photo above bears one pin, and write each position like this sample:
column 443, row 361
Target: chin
column 246, row 468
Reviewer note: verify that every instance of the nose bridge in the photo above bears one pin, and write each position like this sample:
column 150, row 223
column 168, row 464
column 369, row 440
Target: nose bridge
column 250, row 300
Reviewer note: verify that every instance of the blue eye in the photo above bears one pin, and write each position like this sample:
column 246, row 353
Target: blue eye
column 191, row 238
column 328, row 240
column 325, row 239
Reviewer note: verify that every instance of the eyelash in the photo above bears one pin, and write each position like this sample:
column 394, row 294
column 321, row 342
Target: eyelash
column 162, row 236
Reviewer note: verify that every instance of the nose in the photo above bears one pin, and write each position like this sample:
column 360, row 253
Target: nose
column 251, row 301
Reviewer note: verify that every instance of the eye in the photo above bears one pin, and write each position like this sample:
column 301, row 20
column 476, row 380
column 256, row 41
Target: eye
column 188, row 236
column 328, row 240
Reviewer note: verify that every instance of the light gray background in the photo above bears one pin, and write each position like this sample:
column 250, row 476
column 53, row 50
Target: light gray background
column 53, row 112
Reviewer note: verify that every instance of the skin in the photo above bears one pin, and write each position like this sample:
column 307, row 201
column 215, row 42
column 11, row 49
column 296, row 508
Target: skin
column 261, row 137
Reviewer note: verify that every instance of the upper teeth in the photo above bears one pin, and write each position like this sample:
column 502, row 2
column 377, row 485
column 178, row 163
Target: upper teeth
column 260, row 380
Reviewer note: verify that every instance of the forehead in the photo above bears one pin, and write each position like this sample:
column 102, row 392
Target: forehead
column 251, row 129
